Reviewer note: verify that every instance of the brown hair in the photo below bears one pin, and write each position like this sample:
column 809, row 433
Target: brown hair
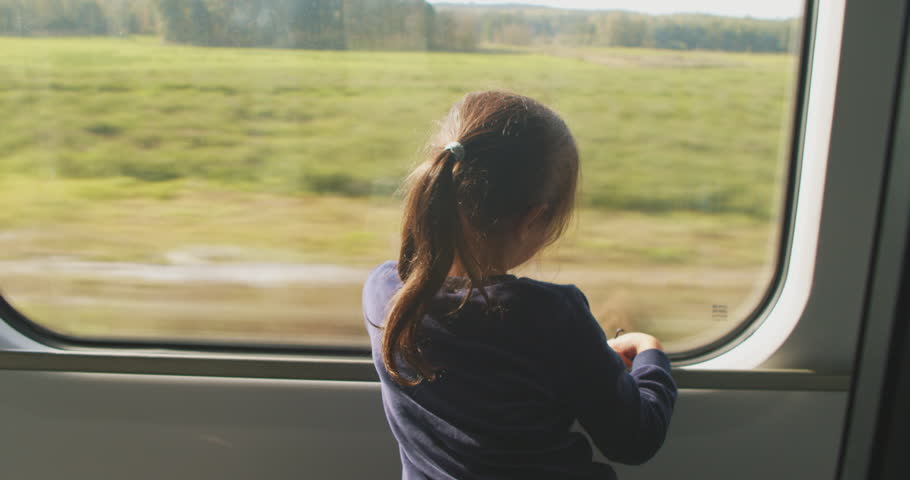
column 517, row 155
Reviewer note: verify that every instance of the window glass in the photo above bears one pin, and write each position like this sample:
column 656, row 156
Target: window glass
column 227, row 170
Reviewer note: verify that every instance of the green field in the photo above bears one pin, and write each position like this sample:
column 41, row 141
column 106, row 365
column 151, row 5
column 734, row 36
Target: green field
column 130, row 152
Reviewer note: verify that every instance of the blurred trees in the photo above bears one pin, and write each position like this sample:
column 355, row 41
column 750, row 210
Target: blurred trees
column 525, row 26
column 314, row 24
column 386, row 25
column 63, row 17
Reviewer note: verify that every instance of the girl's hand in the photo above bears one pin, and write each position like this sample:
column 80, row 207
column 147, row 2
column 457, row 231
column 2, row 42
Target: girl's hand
column 629, row 345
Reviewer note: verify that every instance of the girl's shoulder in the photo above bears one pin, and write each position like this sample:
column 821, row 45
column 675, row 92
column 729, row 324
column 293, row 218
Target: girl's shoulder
column 380, row 286
column 563, row 301
column 385, row 272
column 383, row 278
column 529, row 293
column 566, row 293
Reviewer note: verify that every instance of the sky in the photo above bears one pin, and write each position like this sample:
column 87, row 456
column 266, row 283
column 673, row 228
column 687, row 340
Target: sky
column 736, row 8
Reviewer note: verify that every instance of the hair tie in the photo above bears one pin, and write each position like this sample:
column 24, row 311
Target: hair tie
column 457, row 150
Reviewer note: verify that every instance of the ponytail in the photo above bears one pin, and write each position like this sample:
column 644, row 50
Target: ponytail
column 431, row 234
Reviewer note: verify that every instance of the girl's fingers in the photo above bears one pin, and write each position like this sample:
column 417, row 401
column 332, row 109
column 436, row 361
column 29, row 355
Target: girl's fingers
column 625, row 351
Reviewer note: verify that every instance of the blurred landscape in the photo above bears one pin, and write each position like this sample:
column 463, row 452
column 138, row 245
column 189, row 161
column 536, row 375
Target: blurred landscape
column 218, row 170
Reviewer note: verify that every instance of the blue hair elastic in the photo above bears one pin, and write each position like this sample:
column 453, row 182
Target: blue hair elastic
column 457, row 149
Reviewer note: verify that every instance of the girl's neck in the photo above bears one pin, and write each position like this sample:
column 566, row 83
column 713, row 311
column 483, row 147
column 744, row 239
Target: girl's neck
column 458, row 270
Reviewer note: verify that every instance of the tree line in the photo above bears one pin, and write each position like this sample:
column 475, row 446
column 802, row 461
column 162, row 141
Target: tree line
column 77, row 17
column 385, row 25
column 534, row 26
column 313, row 24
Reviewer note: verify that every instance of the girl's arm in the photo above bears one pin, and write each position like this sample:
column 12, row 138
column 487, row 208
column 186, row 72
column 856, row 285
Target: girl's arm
column 626, row 414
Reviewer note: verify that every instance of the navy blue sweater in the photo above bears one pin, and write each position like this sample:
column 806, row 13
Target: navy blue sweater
column 515, row 377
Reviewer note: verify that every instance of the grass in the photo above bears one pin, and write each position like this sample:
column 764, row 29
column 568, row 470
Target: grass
column 658, row 272
column 132, row 151
column 125, row 220
column 353, row 122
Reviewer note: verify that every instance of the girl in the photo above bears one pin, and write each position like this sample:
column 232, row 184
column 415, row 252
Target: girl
column 483, row 374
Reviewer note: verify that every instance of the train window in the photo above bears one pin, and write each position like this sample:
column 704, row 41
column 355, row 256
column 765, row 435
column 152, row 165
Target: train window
column 226, row 170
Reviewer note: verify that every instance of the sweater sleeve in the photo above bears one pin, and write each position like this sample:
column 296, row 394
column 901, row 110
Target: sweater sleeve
column 626, row 414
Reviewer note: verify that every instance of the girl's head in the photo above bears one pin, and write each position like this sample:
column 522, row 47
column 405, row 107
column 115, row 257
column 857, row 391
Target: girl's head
column 504, row 189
